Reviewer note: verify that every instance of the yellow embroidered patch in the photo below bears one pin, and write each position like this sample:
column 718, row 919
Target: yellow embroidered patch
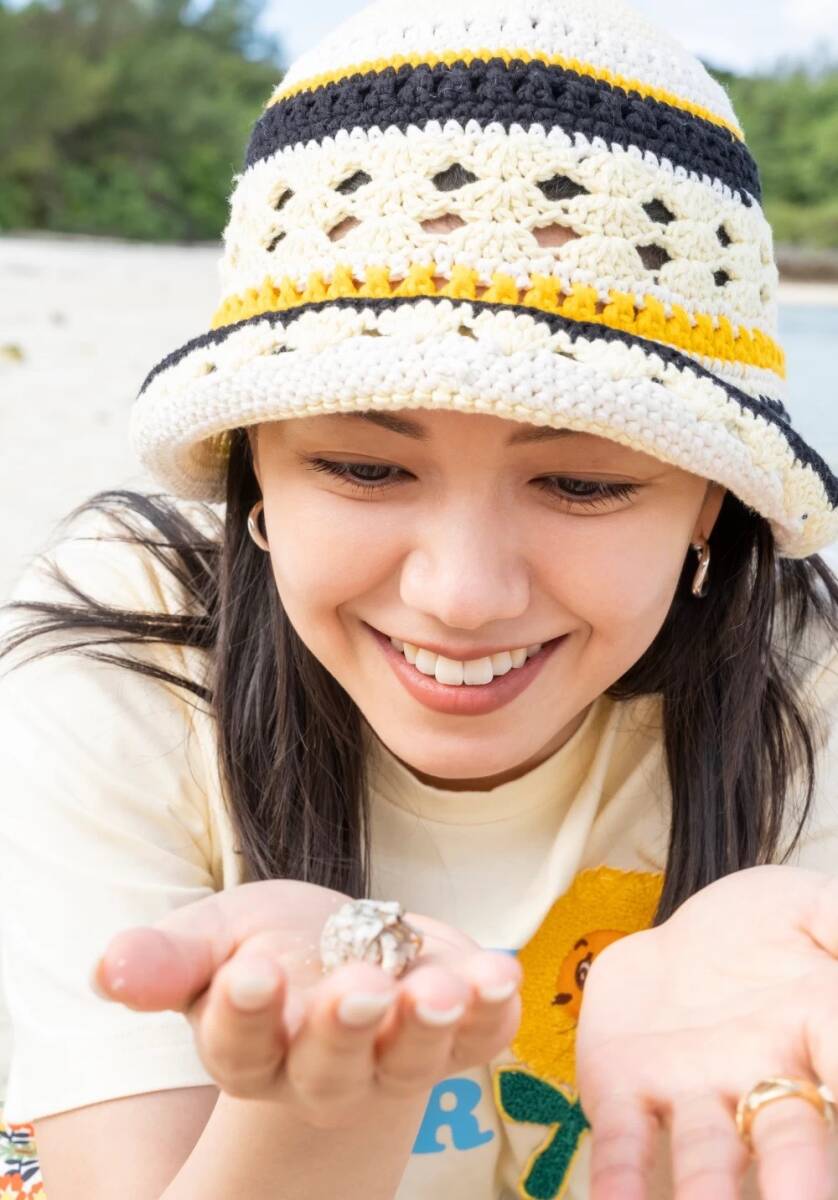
column 601, row 905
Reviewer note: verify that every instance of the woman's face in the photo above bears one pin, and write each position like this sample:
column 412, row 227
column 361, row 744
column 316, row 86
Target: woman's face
column 470, row 543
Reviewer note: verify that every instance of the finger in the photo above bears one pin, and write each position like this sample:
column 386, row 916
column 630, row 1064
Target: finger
column 413, row 1051
column 330, row 1067
column 494, row 1012
column 168, row 964
column 709, row 1158
column 149, row 969
column 240, row 1033
column 624, row 1130
column 792, row 1146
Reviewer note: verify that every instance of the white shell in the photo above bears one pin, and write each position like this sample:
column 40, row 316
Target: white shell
column 370, row 931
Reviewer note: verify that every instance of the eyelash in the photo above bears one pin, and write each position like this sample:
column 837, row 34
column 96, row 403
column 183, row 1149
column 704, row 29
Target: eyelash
column 606, row 491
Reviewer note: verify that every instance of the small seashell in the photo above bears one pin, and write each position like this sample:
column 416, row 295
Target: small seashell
column 371, row 931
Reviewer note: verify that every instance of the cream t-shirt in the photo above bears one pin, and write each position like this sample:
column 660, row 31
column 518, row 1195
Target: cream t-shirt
column 113, row 815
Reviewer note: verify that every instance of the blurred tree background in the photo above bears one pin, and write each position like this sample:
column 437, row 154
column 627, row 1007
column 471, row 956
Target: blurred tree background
column 790, row 119
column 129, row 118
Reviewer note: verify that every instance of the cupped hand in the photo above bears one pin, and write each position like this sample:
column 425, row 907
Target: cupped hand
column 280, row 1036
column 677, row 1022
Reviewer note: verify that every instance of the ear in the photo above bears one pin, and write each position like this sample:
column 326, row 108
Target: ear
column 710, row 509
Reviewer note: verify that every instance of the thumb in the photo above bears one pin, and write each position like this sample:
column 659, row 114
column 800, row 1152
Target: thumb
column 151, row 969
column 169, row 964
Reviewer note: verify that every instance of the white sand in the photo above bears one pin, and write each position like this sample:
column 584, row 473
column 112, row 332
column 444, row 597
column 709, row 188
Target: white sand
column 90, row 318
column 809, row 293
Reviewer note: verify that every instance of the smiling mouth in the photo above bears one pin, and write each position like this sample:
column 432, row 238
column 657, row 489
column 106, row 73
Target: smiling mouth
column 457, row 696
column 473, row 656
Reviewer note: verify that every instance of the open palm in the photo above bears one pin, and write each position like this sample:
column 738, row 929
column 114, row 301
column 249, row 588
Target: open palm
column 455, row 1007
column 740, row 984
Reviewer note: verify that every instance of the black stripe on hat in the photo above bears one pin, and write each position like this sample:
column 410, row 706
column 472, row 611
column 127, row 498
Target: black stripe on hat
column 764, row 406
column 523, row 93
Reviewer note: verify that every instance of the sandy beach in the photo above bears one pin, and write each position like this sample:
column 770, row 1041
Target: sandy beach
column 809, row 293
column 82, row 321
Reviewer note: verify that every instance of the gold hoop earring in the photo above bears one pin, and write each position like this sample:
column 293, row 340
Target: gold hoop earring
column 700, row 587
column 253, row 526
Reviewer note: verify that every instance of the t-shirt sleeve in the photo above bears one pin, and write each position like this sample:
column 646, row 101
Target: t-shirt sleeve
column 104, row 826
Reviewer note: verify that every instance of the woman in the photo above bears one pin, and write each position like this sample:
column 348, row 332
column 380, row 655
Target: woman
column 516, row 617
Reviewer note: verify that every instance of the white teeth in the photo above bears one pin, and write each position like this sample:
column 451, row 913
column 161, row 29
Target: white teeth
column 474, row 673
column 502, row 663
column 447, row 670
column 478, row 672
column 426, row 662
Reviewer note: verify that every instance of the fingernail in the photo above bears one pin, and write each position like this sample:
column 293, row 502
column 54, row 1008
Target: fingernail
column 251, row 985
column 362, row 1008
column 439, row 1016
column 497, row 993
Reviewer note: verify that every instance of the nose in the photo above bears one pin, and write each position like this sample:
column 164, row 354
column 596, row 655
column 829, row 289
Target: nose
column 467, row 572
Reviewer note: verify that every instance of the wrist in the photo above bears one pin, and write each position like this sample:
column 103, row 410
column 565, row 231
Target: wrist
column 398, row 1114
column 395, row 1111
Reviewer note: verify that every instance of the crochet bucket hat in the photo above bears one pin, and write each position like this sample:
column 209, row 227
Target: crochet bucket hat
column 539, row 209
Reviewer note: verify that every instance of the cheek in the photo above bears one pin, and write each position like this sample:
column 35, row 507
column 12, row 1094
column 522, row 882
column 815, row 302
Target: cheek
column 617, row 580
column 321, row 556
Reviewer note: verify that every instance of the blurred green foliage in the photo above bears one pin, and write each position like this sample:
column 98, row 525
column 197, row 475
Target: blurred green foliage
column 130, row 118
column 790, row 119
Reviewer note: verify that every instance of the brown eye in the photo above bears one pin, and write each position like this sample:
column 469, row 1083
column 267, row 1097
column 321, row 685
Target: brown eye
column 352, row 473
column 582, row 492
column 357, row 472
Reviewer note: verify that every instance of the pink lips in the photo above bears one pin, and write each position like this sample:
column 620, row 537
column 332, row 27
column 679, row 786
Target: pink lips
column 464, row 700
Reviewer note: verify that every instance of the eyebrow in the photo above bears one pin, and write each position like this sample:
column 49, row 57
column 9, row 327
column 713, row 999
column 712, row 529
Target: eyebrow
column 419, row 433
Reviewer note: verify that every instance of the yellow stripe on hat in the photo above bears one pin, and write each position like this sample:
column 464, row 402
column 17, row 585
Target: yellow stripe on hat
column 448, row 57
column 646, row 318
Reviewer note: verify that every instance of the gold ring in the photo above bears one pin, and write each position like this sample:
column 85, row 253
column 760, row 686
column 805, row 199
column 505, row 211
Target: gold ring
column 780, row 1088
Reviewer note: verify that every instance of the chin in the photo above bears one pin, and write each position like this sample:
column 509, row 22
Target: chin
column 456, row 765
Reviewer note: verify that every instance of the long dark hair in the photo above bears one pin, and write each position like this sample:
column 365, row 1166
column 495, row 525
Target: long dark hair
column 728, row 669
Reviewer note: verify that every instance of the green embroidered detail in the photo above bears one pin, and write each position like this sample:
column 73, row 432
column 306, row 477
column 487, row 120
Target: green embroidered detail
column 524, row 1097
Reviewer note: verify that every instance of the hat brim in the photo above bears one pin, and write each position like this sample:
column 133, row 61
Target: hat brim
column 502, row 360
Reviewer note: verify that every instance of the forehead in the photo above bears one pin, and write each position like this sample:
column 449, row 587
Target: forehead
column 422, row 430
column 425, row 426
